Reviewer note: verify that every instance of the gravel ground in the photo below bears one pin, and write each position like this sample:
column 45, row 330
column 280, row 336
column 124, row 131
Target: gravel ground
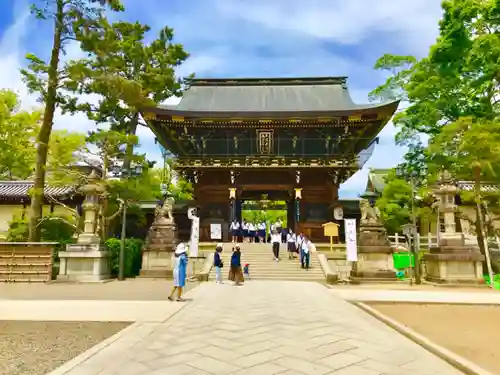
column 128, row 290
column 470, row 331
column 35, row 348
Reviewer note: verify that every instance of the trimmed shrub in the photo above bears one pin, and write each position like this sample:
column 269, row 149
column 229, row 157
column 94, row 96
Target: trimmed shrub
column 133, row 256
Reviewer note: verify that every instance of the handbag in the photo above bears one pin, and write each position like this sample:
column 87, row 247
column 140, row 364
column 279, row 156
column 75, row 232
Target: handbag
column 221, row 264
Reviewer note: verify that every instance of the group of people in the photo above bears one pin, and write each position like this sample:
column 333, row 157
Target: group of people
column 237, row 273
column 248, row 231
column 296, row 244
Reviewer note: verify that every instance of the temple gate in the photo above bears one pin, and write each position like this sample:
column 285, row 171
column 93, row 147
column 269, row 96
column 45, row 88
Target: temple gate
column 293, row 139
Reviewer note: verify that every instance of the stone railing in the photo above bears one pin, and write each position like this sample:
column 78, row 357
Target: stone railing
column 26, row 261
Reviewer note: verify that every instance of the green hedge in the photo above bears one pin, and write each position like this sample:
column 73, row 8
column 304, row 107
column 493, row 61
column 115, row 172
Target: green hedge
column 133, row 256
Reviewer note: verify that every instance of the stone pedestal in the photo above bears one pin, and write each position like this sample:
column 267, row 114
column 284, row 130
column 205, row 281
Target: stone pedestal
column 375, row 262
column 454, row 262
column 158, row 254
column 84, row 263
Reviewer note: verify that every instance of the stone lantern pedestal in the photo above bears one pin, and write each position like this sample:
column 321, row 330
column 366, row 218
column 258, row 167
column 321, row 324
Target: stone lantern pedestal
column 158, row 253
column 452, row 261
column 87, row 260
column 375, row 262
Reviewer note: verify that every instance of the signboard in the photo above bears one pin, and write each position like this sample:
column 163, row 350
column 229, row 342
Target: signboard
column 351, row 241
column 331, row 230
column 216, row 231
column 195, row 232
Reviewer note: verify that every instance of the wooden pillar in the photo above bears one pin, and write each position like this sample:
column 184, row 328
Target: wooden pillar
column 232, row 204
column 297, row 199
column 290, row 213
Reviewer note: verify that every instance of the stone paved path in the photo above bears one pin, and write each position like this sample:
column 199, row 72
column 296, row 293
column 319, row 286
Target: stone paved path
column 262, row 328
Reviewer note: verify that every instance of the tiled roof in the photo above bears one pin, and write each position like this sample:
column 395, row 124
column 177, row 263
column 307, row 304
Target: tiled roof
column 268, row 95
column 20, row 189
column 377, row 178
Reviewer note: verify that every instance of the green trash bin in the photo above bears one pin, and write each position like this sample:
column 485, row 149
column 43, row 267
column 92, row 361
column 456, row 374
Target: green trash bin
column 403, row 260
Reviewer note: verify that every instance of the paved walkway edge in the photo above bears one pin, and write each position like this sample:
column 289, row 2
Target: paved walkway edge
column 453, row 359
column 417, row 296
column 72, row 363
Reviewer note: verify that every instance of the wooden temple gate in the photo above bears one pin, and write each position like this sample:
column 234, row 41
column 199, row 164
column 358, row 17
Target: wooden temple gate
column 295, row 139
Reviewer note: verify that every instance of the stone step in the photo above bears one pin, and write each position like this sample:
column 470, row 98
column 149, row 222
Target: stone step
column 279, row 277
column 263, row 266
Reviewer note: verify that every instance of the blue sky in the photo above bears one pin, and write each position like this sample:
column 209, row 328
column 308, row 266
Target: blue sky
column 255, row 38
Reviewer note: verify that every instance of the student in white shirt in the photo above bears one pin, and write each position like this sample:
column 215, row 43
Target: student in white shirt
column 290, row 240
column 234, row 230
column 298, row 242
column 262, row 231
column 244, row 227
column 304, row 253
column 276, row 241
column 251, row 232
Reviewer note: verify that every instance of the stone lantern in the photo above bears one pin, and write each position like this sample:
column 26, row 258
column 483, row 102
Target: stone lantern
column 87, row 259
column 452, row 261
column 91, row 207
column 446, row 193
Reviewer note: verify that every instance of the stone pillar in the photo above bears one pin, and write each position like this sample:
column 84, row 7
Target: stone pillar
column 87, row 260
column 375, row 262
column 452, row 261
column 158, row 252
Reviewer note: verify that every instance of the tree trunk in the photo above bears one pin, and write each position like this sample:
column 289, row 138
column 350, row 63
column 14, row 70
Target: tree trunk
column 132, row 129
column 43, row 138
column 479, row 215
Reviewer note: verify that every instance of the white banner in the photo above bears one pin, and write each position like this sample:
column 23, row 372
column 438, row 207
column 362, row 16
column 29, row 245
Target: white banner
column 216, row 231
column 195, row 232
column 351, row 241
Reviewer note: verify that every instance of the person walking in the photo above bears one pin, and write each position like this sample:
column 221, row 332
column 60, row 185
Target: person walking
column 298, row 245
column 218, row 263
column 290, row 241
column 276, row 242
column 235, row 272
column 305, row 249
column 179, row 273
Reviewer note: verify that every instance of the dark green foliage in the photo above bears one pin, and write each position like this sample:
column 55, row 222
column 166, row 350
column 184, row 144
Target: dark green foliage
column 52, row 229
column 133, row 256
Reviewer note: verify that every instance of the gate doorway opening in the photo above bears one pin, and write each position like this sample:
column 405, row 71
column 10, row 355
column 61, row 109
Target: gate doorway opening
column 264, row 215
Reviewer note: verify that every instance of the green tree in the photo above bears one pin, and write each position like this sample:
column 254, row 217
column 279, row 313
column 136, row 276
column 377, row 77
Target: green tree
column 50, row 80
column 128, row 73
column 471, row 147
column 110, row 148
column 19, row 129
column 17, row 142
column 458, row 80
column 64, row 150
column 395, row 203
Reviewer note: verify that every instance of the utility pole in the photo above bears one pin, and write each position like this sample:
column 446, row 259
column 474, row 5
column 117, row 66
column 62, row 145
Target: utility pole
column 414, row 232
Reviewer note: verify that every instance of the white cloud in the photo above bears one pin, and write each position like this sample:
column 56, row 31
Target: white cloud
column 341, row 21
column 265, row 38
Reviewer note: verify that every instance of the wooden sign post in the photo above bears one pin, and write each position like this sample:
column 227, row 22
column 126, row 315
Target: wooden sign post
column 331, row 230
